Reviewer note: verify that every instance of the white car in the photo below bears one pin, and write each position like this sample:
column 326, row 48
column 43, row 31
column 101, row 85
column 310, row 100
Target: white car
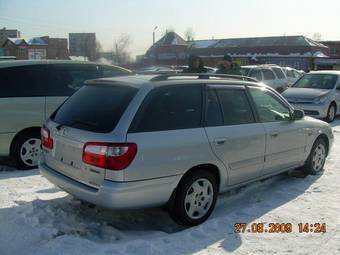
column 271, row 75
column 317, row 93
column 292, row 75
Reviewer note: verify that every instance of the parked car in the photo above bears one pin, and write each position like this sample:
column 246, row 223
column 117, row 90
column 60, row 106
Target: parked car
column 156, row 70
column 292, row 75
column 271, row 75
column 317, row 93
column 176, row 140
column 181, row 68
column 29, row 92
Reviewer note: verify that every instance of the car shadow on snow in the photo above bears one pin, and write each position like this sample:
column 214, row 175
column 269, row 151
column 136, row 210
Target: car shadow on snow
column 66, row 216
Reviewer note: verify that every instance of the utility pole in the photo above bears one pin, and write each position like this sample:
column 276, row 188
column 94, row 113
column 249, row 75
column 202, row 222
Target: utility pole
column 153, row 35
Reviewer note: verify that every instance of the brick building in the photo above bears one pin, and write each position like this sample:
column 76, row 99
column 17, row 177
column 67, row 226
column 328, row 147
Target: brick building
column 294, row 51
column 36, row 48
column 334, row 48
column 83, row 44
column 8, row 33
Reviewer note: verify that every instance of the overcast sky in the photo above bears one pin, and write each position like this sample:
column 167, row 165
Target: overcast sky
column 137, row 18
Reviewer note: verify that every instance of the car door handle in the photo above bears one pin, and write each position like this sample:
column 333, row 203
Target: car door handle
column 274, row 133
column 220, row 140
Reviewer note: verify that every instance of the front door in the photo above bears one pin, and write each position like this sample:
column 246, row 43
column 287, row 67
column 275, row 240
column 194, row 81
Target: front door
column 235, row 137
column 285, row 138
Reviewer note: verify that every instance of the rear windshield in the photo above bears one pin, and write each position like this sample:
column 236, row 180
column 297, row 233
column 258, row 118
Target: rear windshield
column 95, row 108
column 317, row 81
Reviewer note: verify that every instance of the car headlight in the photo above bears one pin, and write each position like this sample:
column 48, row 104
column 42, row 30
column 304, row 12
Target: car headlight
column 320, row 100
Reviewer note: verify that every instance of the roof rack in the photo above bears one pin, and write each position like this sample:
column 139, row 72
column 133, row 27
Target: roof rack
column 164, row 77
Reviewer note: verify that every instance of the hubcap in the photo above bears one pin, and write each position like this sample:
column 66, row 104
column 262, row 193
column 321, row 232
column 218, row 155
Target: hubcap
column 199, row 198
column 30, row 151
column 331, row 114
column 319, row 157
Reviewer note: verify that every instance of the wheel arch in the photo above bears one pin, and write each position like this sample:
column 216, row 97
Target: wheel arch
column 325, row 138
column 20, row 133
column 212, row 168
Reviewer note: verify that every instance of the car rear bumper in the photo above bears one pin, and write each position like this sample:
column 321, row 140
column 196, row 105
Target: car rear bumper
column 116, row 195
column 313, row 110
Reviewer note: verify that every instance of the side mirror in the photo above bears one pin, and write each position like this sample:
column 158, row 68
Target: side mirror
column 298, row 115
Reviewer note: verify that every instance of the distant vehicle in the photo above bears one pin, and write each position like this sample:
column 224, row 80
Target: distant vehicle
column 176, row 140
column 317, row 93
column 6, row 58
column 181, row 68
column 271, row 75
column 29, row 92
column 156, row 70
column 292, row 75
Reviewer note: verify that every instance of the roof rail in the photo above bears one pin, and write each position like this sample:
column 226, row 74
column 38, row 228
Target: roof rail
column 164, row 77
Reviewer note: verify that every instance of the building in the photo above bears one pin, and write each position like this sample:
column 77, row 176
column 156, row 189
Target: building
column 83, row 44
column 334, row 48
column 294, row 51
column 171, row 49
column 36, row 48
column 8, row 33
column 56, row 48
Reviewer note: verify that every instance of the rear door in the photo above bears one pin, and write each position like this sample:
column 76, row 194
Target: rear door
column 269, row 78
column 285, row 139
column 234, row 135
column 22, row 97
column 64, row 80
column 168, row 131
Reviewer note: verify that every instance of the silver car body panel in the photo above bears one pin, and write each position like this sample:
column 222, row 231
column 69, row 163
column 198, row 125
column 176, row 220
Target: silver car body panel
column 249, row 152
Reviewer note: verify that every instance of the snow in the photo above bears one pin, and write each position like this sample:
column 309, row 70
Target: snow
column 38, row 218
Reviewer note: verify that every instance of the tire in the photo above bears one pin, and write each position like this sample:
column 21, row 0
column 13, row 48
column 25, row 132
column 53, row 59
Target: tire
column 26, row 150
column 192, row 207
column 331, row 113
column 317, row 158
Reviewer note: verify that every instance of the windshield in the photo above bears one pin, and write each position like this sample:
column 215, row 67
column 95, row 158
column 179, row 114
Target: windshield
column 317, row 81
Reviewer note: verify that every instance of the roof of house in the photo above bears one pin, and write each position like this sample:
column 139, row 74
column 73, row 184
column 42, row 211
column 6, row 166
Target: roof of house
column 36, row 41
column 170, row 38
column 17, row 41
column 258, row 42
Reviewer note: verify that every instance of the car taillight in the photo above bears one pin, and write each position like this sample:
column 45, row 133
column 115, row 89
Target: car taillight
column 46, row 139
column 112, row 156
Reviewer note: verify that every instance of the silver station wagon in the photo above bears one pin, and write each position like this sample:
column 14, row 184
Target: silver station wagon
column 176, row 141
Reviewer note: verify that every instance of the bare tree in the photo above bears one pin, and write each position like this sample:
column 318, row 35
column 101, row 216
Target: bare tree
column 121, row 55
column 99, row 49
column 189, row 34
column 317, row 36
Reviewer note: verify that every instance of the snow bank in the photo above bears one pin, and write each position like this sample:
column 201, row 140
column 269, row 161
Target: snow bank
column 38, row 218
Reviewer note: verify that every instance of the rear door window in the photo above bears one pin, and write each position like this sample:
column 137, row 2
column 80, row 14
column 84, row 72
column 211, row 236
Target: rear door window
column 214, row 115
column 110, row 71
column 65, row 79
column 169, row 108
column 255, row 73
column 235, row 107
column 279, row 73
column 96, row 108
column 268, row 74
column 23, row 81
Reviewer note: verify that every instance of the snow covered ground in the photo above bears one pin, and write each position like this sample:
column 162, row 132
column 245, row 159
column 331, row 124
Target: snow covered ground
column 38, row 218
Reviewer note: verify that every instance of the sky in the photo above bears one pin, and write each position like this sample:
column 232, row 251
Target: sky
column 110, row 19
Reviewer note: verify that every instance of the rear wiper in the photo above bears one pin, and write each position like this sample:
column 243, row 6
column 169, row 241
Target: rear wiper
column 77, row 122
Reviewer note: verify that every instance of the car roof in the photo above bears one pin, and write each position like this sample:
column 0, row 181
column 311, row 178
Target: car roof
column 14, row 63
column 140, row 80
column 325, row 72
